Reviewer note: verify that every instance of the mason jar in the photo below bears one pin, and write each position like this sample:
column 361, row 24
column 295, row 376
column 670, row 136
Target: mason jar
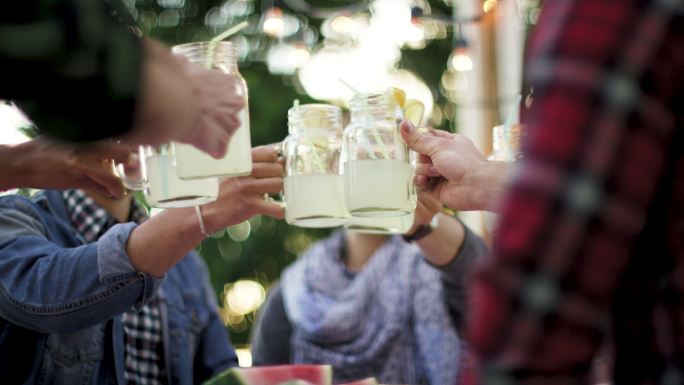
column 506, row 147
column 377, row 168
column 506, row 143
column 192, row 163
column 155, row 174
column 381, row 225
column 314, row 189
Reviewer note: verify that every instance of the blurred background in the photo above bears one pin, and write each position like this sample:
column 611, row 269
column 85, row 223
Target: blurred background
column 461, row 58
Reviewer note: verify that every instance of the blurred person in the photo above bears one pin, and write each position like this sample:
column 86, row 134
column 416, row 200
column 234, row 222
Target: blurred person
column 374, row 305
column 589, row 246
column 81, row 75
column 93, row 292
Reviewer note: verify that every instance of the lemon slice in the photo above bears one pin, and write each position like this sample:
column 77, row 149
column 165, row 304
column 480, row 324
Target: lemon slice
column 413, row 111
column 396, row 95
column 320, row 141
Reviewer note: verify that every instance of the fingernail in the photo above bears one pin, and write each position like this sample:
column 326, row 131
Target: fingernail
column 407, row 127
column 131, row 161
column 220, row 151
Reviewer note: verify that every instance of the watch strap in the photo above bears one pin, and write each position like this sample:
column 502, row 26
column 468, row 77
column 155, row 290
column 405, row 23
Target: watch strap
column 421, row 232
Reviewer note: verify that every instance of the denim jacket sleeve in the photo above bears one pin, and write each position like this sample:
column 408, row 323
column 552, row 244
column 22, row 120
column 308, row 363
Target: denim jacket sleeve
column 214, row 352
column 47, row 287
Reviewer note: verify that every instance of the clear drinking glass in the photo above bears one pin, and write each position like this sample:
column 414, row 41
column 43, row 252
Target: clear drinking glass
column 314, row 189
column 381, row 225
column 506, row 143
column 506, row 147
column 378, row 173
column 192, row 163
column 160, row 183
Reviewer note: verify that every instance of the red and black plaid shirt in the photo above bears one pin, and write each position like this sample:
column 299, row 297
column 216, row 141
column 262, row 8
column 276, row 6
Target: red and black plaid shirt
column 590, row 246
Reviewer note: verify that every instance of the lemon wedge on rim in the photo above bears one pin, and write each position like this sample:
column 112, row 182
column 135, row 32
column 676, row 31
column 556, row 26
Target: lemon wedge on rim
column 413, row 111
column 396, row 95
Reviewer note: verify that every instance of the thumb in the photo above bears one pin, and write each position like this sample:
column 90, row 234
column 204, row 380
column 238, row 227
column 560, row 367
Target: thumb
column 421, row 141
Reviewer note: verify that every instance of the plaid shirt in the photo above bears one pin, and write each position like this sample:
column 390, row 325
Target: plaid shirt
column 590, row 247
column 144, row 352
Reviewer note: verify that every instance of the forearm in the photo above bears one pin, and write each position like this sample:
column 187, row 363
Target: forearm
column 157, row 245
column 167, row 104
column 487, row 184
column 10, row 177
column 441, row 246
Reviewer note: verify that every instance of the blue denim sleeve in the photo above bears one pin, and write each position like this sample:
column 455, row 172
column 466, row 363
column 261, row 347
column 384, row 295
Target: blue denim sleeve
column 114, row 264
column 47, row 287
column 214, row 353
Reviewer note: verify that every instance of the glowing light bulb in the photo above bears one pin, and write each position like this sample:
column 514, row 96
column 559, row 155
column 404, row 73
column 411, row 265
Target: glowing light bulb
column 460, row 57
column 273, row 22
column 462, row 62
column 488, row 5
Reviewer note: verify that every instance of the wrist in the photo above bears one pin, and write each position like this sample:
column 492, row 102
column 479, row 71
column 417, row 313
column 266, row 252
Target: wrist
column 443, row 245
column 488, row 183
column 418, row 233
column 211, row 217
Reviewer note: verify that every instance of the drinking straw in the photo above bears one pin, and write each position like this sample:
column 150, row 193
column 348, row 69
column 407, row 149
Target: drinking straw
column 512, row 116
column 314, row 150
column 376, row 134
column 223, row 35
column 164, row 159
column 513, row 113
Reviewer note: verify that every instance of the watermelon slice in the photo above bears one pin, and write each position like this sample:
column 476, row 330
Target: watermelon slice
column 274, row 375
column 296, row 382
column 365, row 381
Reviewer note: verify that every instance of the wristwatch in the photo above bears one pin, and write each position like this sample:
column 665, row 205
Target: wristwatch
column 421, row 232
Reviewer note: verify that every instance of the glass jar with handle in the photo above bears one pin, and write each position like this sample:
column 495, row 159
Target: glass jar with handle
column 314, row 189
column 192, row 163
column 156, row 175
column 378, row 173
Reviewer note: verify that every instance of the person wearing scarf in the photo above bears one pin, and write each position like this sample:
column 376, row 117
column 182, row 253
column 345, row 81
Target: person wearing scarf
column 373, row 306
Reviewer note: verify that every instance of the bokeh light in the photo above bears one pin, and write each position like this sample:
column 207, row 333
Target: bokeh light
column 243, row 297
column 244, row 355
column 461, row 61
column 273, row 23
column 342, row 24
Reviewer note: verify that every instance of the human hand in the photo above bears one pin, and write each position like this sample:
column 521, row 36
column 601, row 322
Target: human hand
column 185, row 102
column 240, row 198
column 219, row 102
column 453, row 171
column 44, row 163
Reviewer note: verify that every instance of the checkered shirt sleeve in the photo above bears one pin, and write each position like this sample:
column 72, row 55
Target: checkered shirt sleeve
column 590, row 203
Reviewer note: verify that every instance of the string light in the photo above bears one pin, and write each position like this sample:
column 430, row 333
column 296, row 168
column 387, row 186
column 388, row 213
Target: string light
column 273, row 23
column 488, row 5
column 416, row 14
column 460, row 57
